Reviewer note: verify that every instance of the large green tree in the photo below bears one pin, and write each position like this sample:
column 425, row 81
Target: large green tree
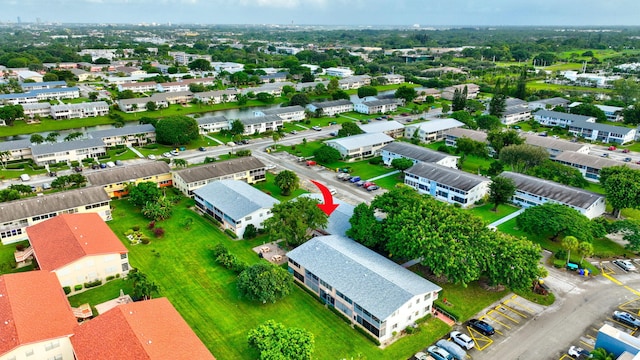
column 9, row 113
column 570, row 243
column 299, row 99
column 622, row 186
column 326, row 154
column 459, row 100
column 200, row 65
column 177, row 130
column 500, row 139
column 589, row 110
column 406, row 93
column 143, row 193
column 294, row 221
column 287, row 181
column 560, row 173
column 349, row 128
column 264, row 282
column 555, row 220
column 498, row 103
column 501, row 190
column 365, row 91
column 274, row 341
column 523, row 156
column 488, row 122
column 401, row 164
column 143, row 287
column 469, row 146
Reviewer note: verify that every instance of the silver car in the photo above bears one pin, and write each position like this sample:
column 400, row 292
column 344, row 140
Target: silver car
column 462, row 339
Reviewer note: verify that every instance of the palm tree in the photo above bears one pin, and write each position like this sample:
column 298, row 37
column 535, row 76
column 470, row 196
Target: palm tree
column 569, row 243
column 5, row 155
column 602, row 354
column 585, row 249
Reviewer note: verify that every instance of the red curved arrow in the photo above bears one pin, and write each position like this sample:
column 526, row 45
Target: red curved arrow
column 328, row 207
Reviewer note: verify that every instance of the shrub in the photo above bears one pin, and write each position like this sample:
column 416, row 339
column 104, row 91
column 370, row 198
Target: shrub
column 110, row 277
column 560, row 254
column 75, row 163
column 230, row 233
column 145, row 241
column 158, row 232
column 367, row 335
column 410, row 330
column 117, row 276
column 20, row 247
column 219, row 249
column 67, row 290
column 376, row 160
column 250, row 232
column 91, row 284
column 77, row 287
column 136, row 228
column 168, row 161
column 151, row 225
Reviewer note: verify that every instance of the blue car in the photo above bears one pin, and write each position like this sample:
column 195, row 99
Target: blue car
column 439, row 353
column 482, row 327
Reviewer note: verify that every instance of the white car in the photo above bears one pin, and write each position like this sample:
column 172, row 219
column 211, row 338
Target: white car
column 174, row 152
column 462, row 339
column 151, row 157
column 575, row 352
column 316, row 128
column 111, row 164
column 625, row 265
column 166, row 154
column 421, row 356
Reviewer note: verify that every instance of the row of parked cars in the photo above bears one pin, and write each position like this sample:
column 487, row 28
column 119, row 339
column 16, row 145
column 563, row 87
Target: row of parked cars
column 368, row 185
column 456, row 347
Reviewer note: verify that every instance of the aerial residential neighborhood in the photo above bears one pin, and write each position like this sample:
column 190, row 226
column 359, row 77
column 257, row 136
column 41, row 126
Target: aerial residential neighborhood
column 382, row 186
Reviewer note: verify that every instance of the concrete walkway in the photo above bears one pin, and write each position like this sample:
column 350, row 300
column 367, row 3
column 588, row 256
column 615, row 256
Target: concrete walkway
column 410, row 263
column 506, row 218
column 135, row 151
column 214, row 139
column 384, row 175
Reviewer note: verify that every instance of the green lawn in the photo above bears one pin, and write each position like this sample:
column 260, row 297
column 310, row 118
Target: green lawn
column 100, row 294
column 486, row 213
column 272, row 189
column 205, row 294
column 476, row 165
column 390, row 182
column 537, row 85
column 361, row 168
column 7, row 260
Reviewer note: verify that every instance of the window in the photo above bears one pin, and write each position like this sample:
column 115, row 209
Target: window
column 29, row 352
column 125, row 267
column 123, row 256
column 52, row 345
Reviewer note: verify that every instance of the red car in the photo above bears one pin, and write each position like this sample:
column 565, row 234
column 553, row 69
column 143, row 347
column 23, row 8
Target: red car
column 611, row 148
column 367, row 184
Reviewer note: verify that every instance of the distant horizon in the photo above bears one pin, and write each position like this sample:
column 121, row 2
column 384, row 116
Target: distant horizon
column 350, row 13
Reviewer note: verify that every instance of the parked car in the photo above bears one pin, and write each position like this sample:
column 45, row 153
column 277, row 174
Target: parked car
column 46, row 186
column 421, row 356
column 627, row 159
column 119, row 163
column 347, row 177
column 360, row 183
column 341, row 175
column 25, row 177
column 333, row 133
column 111, row 164
column 482, row 327
column 202, row 148
column 625, row 265
column 612, row 148
column 311, row 163
column 333, row 191
column 77, row 169
column 452, row 348
column 333, row 123
column 439, row 353
column 605, row 155
column 53, row 174
column 316, row 128
column 95, row 166
column 626, row 151
column 355, row 179
column 151, row 157
column 294, row 132
column 174, row 152
column 373, row 188
column 462, row 339
column 626, row 318
column 578, row 352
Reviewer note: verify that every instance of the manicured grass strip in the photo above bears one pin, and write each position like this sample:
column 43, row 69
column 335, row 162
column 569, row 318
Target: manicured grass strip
column 272, row 189
column 490, row 216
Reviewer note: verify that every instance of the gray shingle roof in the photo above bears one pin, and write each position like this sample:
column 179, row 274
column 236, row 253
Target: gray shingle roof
column 235, row 198
column 381, row 126
column 380, row 102
column 437, row 125
column 328, row 104
column 283, row 110
column 372, row 281
column 468, row 133
column 552, row 190
column 451, row 177
column 123, row 131
column 509, row 102
column 260, row 119
column 553, row 101
column 212, row 119
column 415, row 152
column 361, row 140
column 551, row 143
column 130, row 172
column 219, row 169
column 560, row 115
column 15, row 145
column 339, row 219
column 591, row 161
column 46, row 204
column 66, row 146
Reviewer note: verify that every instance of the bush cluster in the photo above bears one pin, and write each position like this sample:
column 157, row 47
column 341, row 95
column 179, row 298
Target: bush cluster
column 67, row 290
column 228, row 260
column 91, row 284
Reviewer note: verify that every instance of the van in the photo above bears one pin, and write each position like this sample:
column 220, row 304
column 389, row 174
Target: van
column 25, row 177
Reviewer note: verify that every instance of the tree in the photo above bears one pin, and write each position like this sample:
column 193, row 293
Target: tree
column 143, row 193
column 555, row 171
column 181, row 163
column 21, row 188
column 242, row 99
column 265, row 97
column 365, row 228
column 299, row 99
column 237, row 127
column 126, row 94
column 9, row 113
column 501, row 191
column 307, row 77
column 349, row 128
column 365, row 91
column 584, row 249
column 554, row 220
column 294, row 221
column 459, row 100
column 630, row 231
column 521, row 85
column 93, row 95
column 72, row 136
column 177, row 130
column 469, row 146
column 401, row 164
column 151, row 106
column 569, row 243
column 464, row 117
column 326, row 154
column 143, row 288
column 50, row 77
column 36, row 139
column 339, row 95
column 602, row 354
column 445, row 108
column 501, row 139
column 589, row 110
column 627, row 90
column 264, row 283
column 498, row 103
column 488, row 122
column 287, row 181
column 333, row 85
column 274, row 341
column 158, row 210
column 622, row 186
column 523, row 157
column 406, row 93
column 200, row 65
column 495, row 168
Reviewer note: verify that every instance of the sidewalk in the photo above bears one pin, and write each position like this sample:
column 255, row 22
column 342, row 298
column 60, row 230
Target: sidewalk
column 136, row 151
column 214, row 139
column 506, row 218
column 384, row 175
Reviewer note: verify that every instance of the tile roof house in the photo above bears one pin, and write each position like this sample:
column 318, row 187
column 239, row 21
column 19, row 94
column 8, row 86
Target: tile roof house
column 417, row 154
column 38, row 321
column 372, row 291
column 143, row 330
column 235, row 204
column 432, row 130
column 555, row 146
column 359, row 146
column 248, row 169
column 450, row 136
column 516, row 110
column 586, row 127
column 446, row 184
column 16, row 215
column 78, row 248
column 548, row 103
column 18, row 149
column 472, row 91
column 217, row 96
column 115, row 180
column 532, row 191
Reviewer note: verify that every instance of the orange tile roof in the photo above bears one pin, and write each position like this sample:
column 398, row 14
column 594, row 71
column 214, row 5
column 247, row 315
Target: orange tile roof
column 33, row 308
column 151, row 329
column 66, row 238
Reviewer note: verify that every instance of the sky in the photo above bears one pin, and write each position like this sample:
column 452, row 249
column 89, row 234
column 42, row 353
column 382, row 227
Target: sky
column 425, row 13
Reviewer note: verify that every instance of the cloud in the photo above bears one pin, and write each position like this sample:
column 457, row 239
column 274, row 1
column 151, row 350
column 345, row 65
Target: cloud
column 285, row 4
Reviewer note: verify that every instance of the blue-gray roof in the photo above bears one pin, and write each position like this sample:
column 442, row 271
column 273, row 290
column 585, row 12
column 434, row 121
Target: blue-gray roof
column 338, row 223
column 66, row 146
column 328, row 104
column 580, row 121
column 560, row 115
column 372, row 281
column 44, row 83
column 212, row 119
column 381, row 126
column 261, row 119
column 447, row 176
column 415, row 152
column 123, row 131
column 15, row 145
column 235, row 198
column 283, row 110
column 361, row 140
column 35, row 92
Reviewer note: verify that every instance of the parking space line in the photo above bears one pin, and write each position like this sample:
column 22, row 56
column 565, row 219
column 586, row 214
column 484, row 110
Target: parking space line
column 586, row 344
column 496, row 330
column 478, row 338
column 499, row 307
column 632, row 290
column 613, row 280
column 565, row 356
column 526, row 308
column 515, row 311
column 491, row 312
column 621, row 324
